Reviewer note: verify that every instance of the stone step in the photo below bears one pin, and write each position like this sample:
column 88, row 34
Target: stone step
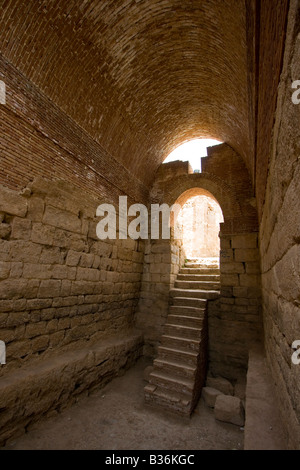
column 173, row 354
column 182, row 331
column 201, row 265
column 179, row 366
column 204, row 285
column 206, row 261
column 185, row 320
column 171, row 401
column 183, row 344
column 187, row 311
column 198, row 277
column 170, row 382
column 177, row 369
column 189, row 302
column 199, row 271
column 195, row 293
column 179, row 362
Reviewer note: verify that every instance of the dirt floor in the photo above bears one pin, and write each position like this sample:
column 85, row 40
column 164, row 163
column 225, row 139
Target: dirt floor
column 115, row 418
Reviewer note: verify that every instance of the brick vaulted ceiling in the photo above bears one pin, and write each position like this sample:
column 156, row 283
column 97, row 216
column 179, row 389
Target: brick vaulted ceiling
column 140, row 76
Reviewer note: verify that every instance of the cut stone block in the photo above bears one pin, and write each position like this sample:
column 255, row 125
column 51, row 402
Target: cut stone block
column 12, row 203
column 147, row 372
column 5, row 230
column 210, row 395
column 248, row 240
column 230, row 410
column 245, row 255
column 219, row 383
column 240, row 389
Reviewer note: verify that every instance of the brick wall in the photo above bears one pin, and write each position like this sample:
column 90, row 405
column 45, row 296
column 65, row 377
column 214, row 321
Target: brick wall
column 67, row 299
column 38, row 139
column 272, row 17
column 129, row 73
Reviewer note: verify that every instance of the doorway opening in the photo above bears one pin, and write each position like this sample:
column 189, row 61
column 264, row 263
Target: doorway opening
column 199, row 226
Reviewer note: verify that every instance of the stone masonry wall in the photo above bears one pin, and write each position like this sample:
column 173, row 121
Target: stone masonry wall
column 60, row 285
column 235, row 318
column 280, row 239
column 162, row 261
column 67, row 299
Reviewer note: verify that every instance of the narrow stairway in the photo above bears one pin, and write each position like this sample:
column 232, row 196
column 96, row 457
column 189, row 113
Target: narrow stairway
column 180, row 368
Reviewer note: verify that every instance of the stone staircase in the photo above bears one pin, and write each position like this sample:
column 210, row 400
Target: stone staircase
column 179, row 371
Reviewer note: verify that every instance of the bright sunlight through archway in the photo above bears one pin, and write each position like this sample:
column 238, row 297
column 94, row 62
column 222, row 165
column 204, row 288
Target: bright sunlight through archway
column 192, row 151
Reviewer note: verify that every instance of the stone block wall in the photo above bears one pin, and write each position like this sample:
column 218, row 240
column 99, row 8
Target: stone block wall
column 60, row 285
column 280, row 239
column 67, row 299
column 162, row 261
column 235, row 321
column 173, row 169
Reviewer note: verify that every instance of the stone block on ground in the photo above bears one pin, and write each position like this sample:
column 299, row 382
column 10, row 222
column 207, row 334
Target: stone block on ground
column 240, row 389
column 210, row 395
column 219, row 383
column 60, row 378
column 147, row 372
column 229, row 410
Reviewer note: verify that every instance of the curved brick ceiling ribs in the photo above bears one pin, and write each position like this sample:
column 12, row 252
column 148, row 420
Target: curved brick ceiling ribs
column 140, row 76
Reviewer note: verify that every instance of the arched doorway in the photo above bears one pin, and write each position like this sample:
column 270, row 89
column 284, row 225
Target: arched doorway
column 175, row 297
column 199, row 221
column 198, row 224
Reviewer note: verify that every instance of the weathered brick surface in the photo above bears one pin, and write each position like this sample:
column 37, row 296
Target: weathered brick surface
column 273, row 17
column 120, row 68
column 54, row 147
